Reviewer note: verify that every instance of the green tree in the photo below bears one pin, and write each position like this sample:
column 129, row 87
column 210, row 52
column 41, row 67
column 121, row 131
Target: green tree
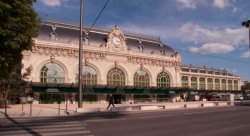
column 246, row 86
column 19, row 24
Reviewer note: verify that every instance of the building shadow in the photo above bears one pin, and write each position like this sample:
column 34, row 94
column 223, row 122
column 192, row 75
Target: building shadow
column 21, row 126
column 49, row 121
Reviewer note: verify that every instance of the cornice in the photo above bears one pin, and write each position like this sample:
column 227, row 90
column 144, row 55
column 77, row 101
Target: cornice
column 90, row 52
column 208, row 75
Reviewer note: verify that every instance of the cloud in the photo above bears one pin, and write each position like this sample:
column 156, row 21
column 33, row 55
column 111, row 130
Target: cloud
column 212, row 40
column 246, row 54
column 191, row 4
column 212, row 48
column 51, row 3
column 190, row 32
column 221, row 4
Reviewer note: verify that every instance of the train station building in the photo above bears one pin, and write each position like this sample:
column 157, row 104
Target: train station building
column 131, row 66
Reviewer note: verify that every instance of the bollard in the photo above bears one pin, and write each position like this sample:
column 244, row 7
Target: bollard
column 30, row 101
column 67, row 105
column 6, row 114
column 30, row 109
column 59, row 107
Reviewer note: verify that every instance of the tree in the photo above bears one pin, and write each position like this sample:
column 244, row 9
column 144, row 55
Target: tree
column 246, row 86
column 14, row 87
column 19, row 24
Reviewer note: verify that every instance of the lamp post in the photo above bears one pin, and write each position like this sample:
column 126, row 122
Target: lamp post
column 247, row 25
column 80, row 57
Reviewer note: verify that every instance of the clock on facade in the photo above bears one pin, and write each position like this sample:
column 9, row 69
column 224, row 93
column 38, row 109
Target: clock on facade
column 116, row 41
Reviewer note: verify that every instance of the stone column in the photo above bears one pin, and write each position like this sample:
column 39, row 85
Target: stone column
column 189, row 81
column 226, row 84
column 198, row 83
column 213, row 83
column 206, row 83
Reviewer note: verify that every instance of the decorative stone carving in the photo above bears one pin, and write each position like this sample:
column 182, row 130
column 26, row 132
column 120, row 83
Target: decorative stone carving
column 116, row 40
column 149, row 61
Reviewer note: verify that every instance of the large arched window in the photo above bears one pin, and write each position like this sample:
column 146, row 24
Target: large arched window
column 194, row 83
column 116, row 77
column 202, row 83
column 163, row 79
column 89, row 75
column 141, row 78
column 184, row 81
column 52, row 73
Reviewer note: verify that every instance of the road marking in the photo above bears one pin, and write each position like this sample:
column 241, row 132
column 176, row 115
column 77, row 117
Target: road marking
column 26, row 127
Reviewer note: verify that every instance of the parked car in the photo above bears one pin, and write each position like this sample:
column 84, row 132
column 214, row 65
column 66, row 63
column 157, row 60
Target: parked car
column 246, row 97
column 238, row 97
column 215, row 98
column 193, row 98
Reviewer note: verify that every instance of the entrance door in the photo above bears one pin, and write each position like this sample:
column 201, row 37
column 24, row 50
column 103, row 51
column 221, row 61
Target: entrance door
column 118, row 98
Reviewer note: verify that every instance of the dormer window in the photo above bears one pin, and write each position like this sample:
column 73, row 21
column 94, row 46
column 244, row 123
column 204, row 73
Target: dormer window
column 86, row 40
column 162, row 52
column 141, row 48
column 53, row 36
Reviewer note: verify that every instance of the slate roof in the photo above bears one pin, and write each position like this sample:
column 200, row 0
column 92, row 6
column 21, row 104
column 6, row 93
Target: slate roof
column 68, row 32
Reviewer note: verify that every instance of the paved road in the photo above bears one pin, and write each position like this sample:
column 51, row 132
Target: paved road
column 226, row 121
column 42, row 127
column 223, row 121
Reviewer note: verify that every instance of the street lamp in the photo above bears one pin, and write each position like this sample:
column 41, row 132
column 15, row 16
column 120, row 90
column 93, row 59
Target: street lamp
column 80, row 57
column 247, row 25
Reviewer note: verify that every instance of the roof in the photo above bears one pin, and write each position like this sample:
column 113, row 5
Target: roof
column 68, row 32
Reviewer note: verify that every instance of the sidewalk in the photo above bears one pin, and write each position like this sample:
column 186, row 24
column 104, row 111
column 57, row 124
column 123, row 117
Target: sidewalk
column 43, row 110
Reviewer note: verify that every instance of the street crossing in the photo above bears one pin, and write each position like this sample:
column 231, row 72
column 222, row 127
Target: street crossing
column 42, row 127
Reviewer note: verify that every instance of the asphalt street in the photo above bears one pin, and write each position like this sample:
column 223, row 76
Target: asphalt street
column 226, row 121
column 222, row 121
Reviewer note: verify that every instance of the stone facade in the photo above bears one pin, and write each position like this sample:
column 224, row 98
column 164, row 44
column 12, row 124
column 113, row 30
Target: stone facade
column 105, row 49
column 102, row 59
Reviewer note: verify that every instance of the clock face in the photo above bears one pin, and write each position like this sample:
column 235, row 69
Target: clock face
column 116, row 41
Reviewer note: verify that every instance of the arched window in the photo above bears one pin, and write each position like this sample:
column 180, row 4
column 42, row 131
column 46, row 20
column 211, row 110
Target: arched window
column 184, row 81
column 209, row 84
column 235, row 85
column 163, row 79
column 223, row 84
column 52, row 73
column 116, row 77
column 141, row 78
column 217, row 84
column 202, row 83
column 89, row 75
column 193, row 82
column 230, row 85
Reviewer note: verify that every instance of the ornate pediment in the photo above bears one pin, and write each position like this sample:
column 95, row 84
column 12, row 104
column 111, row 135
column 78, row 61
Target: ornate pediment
column 116, row 40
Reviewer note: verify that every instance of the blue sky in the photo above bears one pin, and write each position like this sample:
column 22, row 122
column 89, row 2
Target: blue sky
column 205, row 32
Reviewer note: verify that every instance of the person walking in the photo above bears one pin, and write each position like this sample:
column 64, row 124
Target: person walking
column 111, row 101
